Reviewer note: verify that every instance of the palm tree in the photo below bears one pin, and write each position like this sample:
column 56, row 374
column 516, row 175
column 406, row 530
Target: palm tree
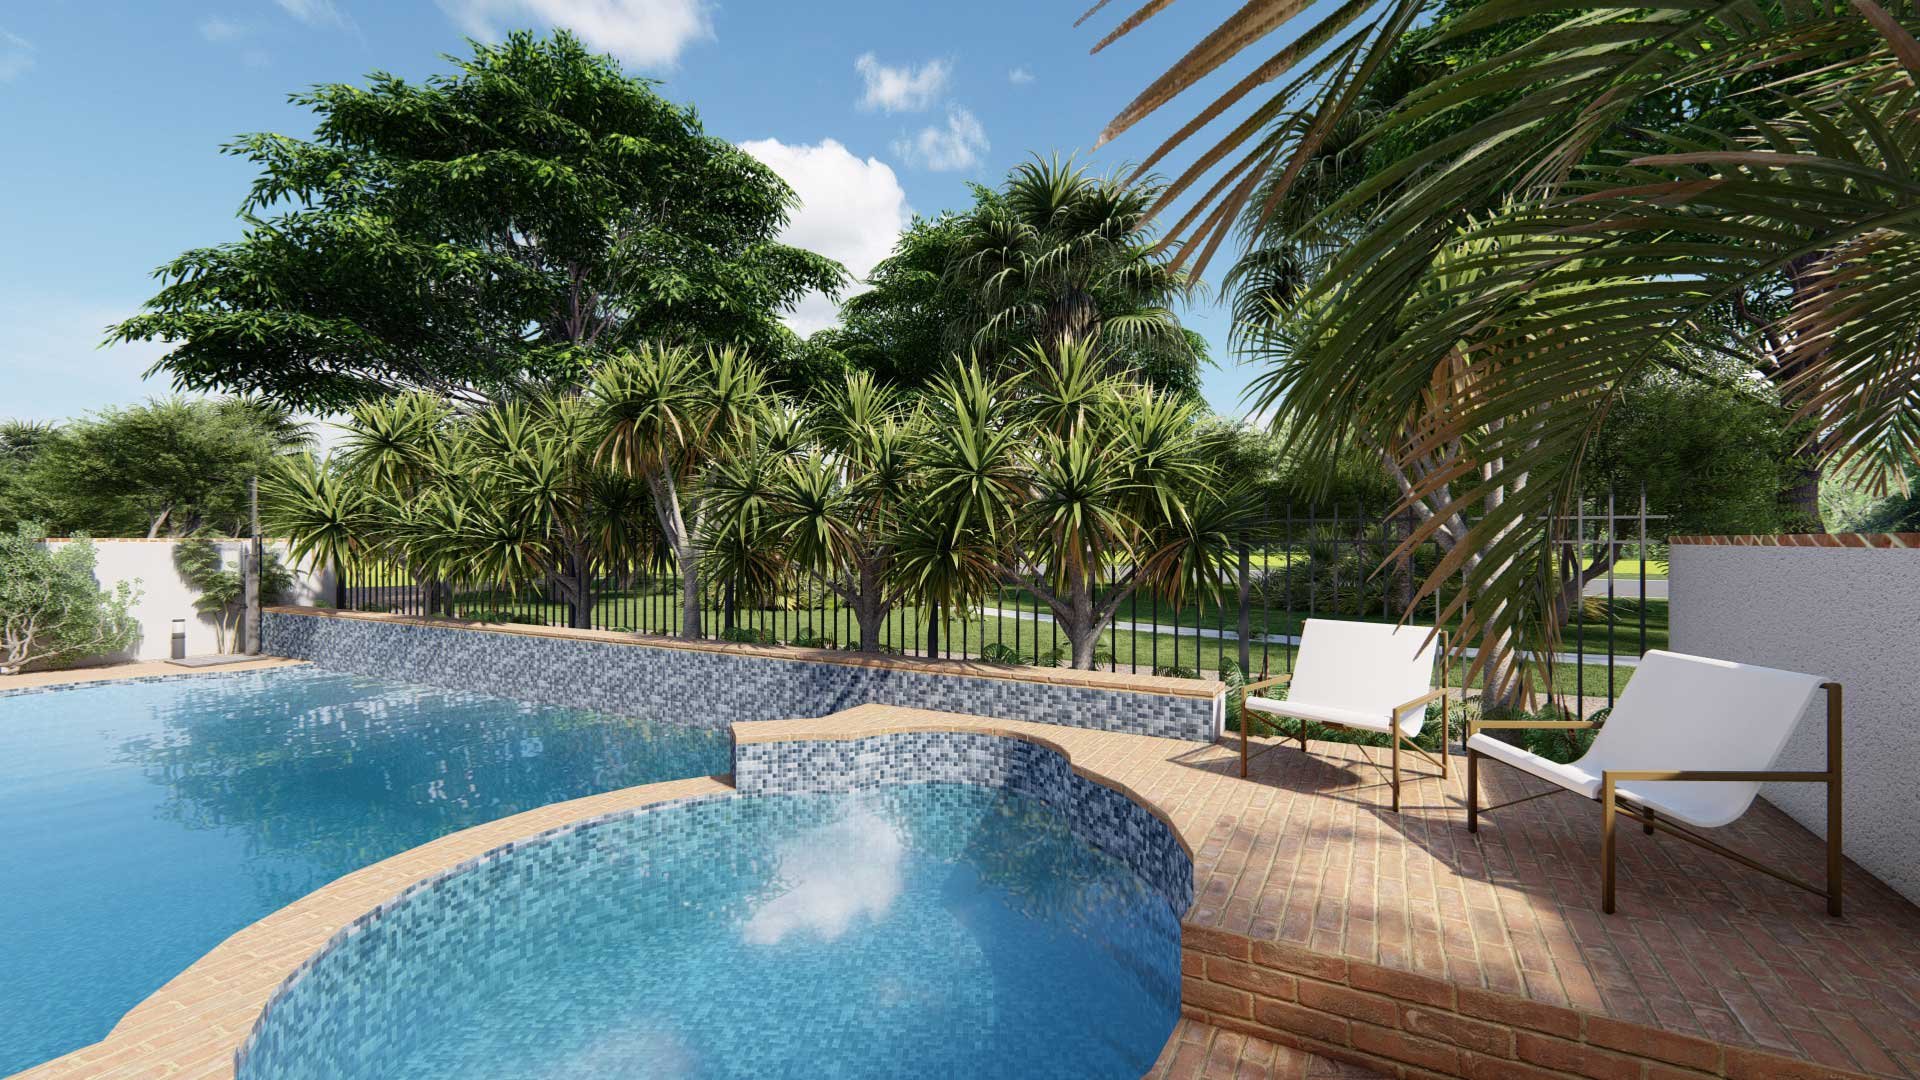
column 1677, row 179
column 1063, row 479
column 1061, row 255
column 663, row 414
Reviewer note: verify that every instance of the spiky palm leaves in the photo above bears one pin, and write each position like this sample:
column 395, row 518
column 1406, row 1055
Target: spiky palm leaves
column 1678, row 178
column 1063, row 255
column 665, row 414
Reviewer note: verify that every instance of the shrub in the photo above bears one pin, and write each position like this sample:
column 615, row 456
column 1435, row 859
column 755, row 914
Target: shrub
column 51, row 609
column 747, row 635
column 222, row 592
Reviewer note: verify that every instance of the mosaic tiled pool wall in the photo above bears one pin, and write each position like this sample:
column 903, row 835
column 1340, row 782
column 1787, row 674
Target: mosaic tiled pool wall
column 1097, row 814
column 702, row 687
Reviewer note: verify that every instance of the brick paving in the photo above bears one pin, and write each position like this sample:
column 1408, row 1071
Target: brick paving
column 1336, row 927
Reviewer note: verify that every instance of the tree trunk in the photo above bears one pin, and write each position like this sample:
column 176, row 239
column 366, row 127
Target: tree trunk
column 1072, row 317
column 1800, row 494
column 870, row 606
column 688, row 558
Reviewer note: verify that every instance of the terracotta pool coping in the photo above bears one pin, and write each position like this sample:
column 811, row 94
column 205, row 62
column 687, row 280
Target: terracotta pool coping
column 138, row 669
column 1102, row 680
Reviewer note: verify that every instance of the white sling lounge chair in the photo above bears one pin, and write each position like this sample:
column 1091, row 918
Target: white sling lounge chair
column 1687, row 746
column 1367, row 676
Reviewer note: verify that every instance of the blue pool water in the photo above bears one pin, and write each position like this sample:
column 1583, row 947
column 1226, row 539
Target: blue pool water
column 941, row 930
column 142, row 823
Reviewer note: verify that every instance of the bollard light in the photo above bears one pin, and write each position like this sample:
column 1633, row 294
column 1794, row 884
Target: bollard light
column 179, row 639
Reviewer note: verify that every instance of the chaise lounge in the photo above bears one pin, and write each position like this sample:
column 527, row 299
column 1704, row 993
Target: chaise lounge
column 1686, row 747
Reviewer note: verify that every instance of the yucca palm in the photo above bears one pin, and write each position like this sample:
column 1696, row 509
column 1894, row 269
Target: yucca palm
column 1064, row 255
column 664, row 413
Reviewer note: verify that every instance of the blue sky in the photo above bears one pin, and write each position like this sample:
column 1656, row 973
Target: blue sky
column 112, row 115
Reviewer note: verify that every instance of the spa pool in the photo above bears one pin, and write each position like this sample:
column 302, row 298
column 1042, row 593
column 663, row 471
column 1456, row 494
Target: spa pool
column 928, row 929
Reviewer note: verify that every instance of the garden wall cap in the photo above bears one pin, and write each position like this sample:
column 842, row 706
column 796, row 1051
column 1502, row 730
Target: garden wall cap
column 1100, row 680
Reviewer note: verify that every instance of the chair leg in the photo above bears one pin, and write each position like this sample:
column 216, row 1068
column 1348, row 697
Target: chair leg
column 1396, row 769
column 1836, row 862
column 1445, row 738
column 1473, row 790
column 1646, row 825
column 1303, row 736
column 1246, row 729
column 1606, row 846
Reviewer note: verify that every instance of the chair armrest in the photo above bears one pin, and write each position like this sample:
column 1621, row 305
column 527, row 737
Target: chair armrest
column 1277, row 680
column 1429, row 696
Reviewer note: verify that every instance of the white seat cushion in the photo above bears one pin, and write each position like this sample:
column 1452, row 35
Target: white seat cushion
column 1326, row 714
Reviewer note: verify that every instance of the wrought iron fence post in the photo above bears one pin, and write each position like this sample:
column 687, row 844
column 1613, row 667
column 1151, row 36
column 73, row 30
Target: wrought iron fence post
column 1246, row 612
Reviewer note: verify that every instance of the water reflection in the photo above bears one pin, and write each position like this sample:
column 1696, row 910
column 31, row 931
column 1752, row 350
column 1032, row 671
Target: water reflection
column 145, row 822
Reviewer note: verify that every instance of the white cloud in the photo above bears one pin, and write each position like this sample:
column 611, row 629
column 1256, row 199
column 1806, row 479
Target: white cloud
column 215, row 28
column 314, row 12
column 901, row 89
column 16, row 56
column 851, row 210
column 1020, row 76
column 958, row 145
column 649, row 33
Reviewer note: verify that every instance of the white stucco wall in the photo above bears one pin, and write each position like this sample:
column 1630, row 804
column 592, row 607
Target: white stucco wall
column 1849, row 614
column 164, row 597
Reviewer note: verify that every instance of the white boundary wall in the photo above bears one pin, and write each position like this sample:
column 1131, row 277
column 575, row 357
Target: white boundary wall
column 1851, row 614
column 164, row 597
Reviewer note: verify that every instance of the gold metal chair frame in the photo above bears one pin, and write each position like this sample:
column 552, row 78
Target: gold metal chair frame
column 1395, row 738
column 1612, row 807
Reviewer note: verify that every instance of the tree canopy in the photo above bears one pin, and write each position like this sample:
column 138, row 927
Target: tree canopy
column 169, row 467
column 1054, row 252
column 505, row 222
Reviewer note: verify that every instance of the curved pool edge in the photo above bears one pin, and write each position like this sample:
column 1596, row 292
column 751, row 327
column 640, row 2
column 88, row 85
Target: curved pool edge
column 196, row 1025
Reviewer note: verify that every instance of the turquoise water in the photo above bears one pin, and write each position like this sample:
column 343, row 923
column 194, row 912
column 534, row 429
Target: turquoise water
column 142, row 823
column 941, row 930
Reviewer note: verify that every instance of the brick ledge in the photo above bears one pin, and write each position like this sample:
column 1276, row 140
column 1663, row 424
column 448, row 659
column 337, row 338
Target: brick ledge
column 1408, row 1025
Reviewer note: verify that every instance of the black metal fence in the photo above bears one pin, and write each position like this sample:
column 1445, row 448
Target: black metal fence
column 1307, row 563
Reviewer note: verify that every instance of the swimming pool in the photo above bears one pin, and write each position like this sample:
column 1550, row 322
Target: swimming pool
column 930, row 929
column 144, row 822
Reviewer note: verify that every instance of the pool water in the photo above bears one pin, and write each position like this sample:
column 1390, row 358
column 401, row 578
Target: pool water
column 923, row 930
column 142, row 823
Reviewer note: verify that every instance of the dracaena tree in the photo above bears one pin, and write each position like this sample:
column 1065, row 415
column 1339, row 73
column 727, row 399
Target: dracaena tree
column 664, row 416
column 1073, row 483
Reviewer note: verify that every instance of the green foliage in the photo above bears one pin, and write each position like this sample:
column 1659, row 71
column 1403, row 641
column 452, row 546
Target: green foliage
column 747, row 635
column 1712, row 454
column 170, row 467
column 508, row 221
column 52, row 611
column 1055, row 251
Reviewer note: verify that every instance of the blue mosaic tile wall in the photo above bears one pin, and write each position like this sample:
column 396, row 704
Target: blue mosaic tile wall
column 1097, row 814
column 705, row 688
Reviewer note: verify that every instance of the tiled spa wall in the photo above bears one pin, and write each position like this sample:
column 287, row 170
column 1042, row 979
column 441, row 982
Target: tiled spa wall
column 339, row 1013
column 1097, row 814
column 708, row 687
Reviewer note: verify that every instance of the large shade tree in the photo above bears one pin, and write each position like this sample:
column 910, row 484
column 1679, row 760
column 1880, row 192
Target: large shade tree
column 504, row 222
